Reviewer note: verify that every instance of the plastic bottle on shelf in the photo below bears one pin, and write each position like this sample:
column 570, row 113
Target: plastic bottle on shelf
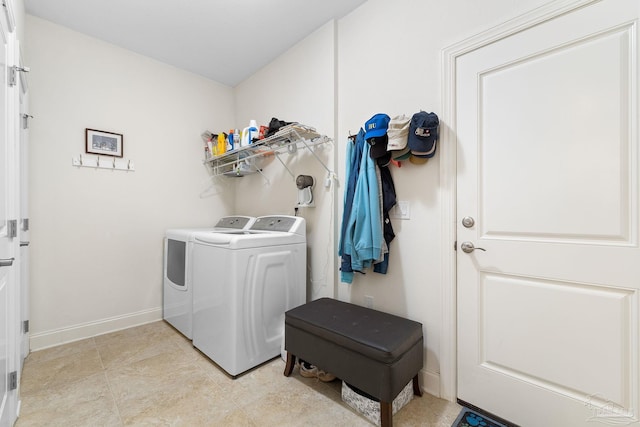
column 249, row 133
column 221, row 146
column 208, row 145
column 253, row 131
column 230, row 140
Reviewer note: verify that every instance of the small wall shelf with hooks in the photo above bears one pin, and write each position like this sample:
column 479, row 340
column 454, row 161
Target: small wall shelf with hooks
column 98, row 162
column 288, row 139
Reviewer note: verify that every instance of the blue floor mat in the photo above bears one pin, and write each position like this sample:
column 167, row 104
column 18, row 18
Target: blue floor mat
column 469, row 418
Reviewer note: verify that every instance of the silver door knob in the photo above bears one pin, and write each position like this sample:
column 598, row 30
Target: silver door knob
column 467, row 247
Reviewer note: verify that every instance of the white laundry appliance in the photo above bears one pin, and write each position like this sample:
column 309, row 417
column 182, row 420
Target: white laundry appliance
column 242, row 286
column 177, row 288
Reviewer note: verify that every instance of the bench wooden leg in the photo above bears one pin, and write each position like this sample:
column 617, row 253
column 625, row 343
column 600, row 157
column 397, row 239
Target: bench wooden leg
column 416, row 386
column 291, row 362
column 386, row 414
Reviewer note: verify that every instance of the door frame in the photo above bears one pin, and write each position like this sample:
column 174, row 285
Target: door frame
column 448, row 173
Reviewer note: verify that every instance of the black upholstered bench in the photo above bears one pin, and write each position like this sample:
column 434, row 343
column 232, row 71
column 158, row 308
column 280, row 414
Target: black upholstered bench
column 376, row 352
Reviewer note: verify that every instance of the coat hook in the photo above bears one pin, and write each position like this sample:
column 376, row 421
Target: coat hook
column 98, row 162
column 114, row 163
column 81, row 160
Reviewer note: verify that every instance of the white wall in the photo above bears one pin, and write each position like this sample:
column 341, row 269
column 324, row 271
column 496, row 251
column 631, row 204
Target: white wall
column 298, row 86
column 96, row 235
column 389, row 61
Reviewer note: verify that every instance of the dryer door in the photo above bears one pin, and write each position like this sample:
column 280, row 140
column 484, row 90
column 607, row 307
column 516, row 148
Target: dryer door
column 175, row 265
column 177, row 297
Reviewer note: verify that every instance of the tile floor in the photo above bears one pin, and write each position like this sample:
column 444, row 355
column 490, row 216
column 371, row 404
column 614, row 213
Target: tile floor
column 151, row 375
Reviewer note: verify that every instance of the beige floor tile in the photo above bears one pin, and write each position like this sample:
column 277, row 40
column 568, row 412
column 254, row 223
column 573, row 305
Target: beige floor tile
column 186, row 346
column 85, row 402
column 151, row 375
column 61, row 351
column 238, row 418
column 276, row 407
column 302, row 407
column 74, row 365
column 123, row 351
column 148, row 376
column 427, row 411
column 188, row 398
column 337, row 416
column 298, row 401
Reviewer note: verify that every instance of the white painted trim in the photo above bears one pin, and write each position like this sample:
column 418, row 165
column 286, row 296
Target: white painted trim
column 55, row 337
column 448, row 152
column 430, row 382
column 335, row 182
column 448, row 172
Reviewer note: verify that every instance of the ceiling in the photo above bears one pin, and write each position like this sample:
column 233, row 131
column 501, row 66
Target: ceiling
column 223, row 40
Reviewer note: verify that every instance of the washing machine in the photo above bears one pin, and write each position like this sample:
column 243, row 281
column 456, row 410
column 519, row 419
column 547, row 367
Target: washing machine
column 177, row 304
column 242, row 286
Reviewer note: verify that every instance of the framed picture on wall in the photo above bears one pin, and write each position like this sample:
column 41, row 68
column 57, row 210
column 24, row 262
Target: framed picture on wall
column 103, row 143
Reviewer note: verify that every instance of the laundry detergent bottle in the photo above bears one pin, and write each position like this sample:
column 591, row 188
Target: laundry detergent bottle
column 221, row 146
column 249, row 133
column 230, row 141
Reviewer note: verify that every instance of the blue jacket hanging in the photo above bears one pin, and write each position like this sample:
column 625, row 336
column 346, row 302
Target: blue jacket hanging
column 353, row 159
column 363, row 235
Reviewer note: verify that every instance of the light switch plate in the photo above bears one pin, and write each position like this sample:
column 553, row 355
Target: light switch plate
column 402, row 210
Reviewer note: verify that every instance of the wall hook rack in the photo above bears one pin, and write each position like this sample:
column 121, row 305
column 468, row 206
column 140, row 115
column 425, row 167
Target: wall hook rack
column 97, row 162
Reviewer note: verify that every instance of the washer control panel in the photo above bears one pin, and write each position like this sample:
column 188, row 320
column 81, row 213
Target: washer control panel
column 235, row 222
column 282, row 223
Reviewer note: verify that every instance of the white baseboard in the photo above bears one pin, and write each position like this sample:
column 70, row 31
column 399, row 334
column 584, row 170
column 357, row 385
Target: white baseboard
column 430, row 382
column 42, row 340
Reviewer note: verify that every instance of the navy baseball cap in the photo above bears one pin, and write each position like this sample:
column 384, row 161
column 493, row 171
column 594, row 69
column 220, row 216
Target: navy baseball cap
column 423, row 134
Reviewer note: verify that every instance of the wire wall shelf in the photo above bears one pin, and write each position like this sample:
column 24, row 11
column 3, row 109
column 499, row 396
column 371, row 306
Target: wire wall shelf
column 288, row 139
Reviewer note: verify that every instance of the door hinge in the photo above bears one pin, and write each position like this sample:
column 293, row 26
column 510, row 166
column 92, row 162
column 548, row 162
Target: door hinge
column 13, row 74
column 13, row 380
column 25, row 224
column 455, row 245
column 25, row 326
column 12, row 228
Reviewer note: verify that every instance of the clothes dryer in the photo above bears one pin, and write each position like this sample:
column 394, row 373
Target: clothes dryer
column 242, row 286
column 177, row 295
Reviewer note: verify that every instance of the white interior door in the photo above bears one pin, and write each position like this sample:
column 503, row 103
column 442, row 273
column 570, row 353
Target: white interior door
column 547, row 166
column 23, row 138
column 6, row 251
